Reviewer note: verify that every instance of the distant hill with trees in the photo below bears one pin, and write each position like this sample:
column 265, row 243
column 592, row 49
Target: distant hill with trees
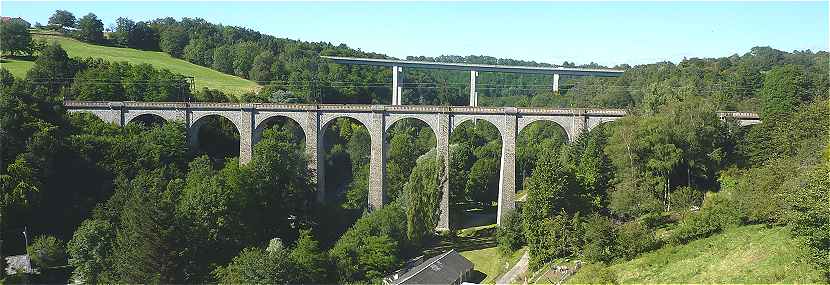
column 292, row 70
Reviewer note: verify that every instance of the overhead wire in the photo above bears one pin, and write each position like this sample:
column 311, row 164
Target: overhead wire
column 318, row 85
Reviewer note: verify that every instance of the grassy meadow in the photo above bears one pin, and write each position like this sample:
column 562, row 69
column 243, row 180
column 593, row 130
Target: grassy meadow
column 747, row 254
column 204, row 77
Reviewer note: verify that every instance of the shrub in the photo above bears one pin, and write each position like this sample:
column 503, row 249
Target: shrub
column 90, row 249
column 629, row 201
column 510, row 234
column 717, row 214
column 721, row 210
column 756, row 191
column 634, row 238
column 683, row 199
column 47, row 251
column 559, row 236
column 255, row 265
column 600, row 239
column 809, row 215
column 655, row 220
column 594, row 273
column 372, row 246
column 276, row 264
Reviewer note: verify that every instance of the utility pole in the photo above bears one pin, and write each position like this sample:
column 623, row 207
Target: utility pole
column 2, row 207
column 2, row 138
column 192, row 85
column 26, row 240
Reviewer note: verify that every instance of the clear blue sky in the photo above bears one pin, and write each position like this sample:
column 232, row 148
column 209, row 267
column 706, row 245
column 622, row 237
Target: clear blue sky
column 608, row 33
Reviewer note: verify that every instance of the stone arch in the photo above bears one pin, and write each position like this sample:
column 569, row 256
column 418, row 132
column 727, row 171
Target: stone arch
column 167, row 115
column 321, row 150
column 297, row 117
column 145, row 115
column 197, row 116
column 565, row 122
column 262, row 121
column 363, row 118
column 431, row 120
column 748, row 123
column 462, row 213
column 522, row 125
column 526, row 142
column 496, row 120
column 594, row 122
column 112, row 116
column 403, row 155
column 197, row 120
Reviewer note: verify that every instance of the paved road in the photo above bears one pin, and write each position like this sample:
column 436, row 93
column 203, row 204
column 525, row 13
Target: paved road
column 511, row 276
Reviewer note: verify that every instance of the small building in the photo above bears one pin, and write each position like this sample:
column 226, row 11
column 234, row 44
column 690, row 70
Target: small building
column 15, row 19
column 19, row 264
column 446, row 268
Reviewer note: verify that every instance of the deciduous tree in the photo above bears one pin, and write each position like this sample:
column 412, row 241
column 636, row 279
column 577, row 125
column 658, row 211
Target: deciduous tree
column 62, row 18
column 15, row 37
column 90, row 29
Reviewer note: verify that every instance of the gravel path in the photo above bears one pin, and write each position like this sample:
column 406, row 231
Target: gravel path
column 519, row 268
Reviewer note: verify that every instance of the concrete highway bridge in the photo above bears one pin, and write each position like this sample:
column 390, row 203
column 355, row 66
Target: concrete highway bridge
column 250, row 119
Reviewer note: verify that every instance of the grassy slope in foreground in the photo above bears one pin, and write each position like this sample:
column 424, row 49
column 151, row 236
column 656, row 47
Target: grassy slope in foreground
column 747, row 254
column 205, row 77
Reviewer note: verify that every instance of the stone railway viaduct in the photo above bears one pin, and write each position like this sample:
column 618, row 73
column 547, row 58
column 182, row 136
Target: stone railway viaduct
column 251, row 119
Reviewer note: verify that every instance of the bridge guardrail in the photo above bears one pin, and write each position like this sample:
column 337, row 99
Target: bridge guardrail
column 371, row 108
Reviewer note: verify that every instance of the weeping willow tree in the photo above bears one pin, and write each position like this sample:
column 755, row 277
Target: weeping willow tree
column 423, row 196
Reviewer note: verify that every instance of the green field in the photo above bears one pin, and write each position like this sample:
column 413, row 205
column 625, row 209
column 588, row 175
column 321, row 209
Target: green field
column 489, row 262
column 204, row 77
column 18, row 67
column 748, row 254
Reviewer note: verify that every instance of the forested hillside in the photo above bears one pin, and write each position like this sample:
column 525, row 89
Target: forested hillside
column 137, row 204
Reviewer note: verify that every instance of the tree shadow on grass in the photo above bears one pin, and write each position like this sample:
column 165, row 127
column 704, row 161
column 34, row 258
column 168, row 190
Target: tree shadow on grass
column 6, row 57
column 443, row 244
column 476, row 276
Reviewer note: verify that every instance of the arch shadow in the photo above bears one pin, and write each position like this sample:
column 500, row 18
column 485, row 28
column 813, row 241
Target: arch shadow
column 216, row 136
column 148, row 120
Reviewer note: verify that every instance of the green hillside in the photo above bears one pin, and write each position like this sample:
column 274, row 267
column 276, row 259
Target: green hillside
column 16, row 66
column 204, row 77
column 748, row 254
